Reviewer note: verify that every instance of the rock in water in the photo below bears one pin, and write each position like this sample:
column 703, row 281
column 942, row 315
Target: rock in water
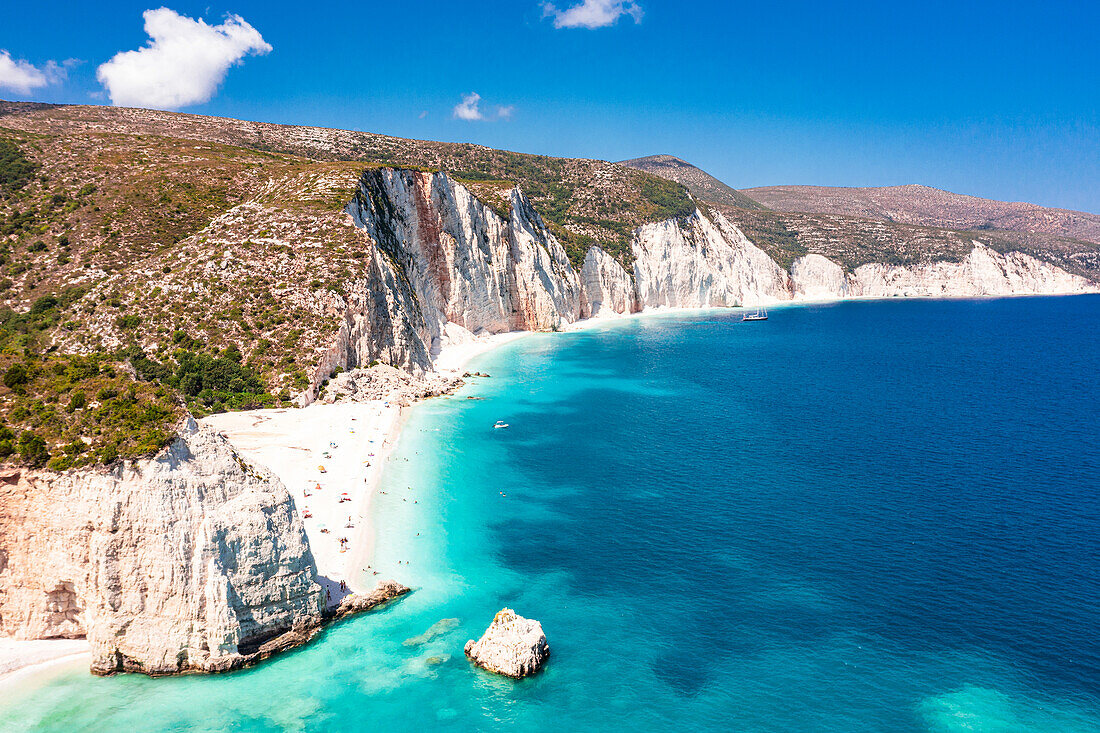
column 512, row 645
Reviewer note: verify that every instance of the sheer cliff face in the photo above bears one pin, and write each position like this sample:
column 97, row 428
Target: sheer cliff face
column 175, row 563
column 446, row 265
column 700, row 264
column 982, row 272
column 460, row 262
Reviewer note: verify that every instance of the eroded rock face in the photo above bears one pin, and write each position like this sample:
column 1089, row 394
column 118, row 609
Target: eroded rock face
column 983, row 271
column 513, row 646
column 607, row 289
column 447, row 266
column 384, row 382
column 459, row 261
column 167, row 565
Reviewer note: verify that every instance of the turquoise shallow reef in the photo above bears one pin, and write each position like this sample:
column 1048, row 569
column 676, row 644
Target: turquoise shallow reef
column 868, row 516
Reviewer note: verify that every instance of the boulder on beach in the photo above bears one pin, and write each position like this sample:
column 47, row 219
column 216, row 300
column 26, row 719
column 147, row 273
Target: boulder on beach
column 513, row 646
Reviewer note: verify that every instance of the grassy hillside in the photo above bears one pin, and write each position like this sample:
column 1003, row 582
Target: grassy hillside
column 584, row 202
column 152, row 262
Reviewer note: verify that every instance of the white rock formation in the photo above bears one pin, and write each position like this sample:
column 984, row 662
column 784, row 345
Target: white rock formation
column 447, row 267
column 512, row 646
column 460, row 261
column 180, row 562
column 816, row 277
column 983, row 272
column 606, row 287
column 696, row 264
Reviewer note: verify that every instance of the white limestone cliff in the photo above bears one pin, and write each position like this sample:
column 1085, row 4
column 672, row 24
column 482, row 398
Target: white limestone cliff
column 448, row 268
column 816, row 277
column 460, row 262
column 697, row 264
column 607, row 289
column 982, row 272
column 185, row 561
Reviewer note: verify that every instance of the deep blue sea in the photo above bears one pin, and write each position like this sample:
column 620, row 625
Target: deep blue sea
column 866, row 516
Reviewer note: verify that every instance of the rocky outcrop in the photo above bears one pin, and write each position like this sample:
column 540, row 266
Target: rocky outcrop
column 447, row 267
column 193, row 560
column 384, row 382
column 983, row 271
column 606, row 288
column 512, row 646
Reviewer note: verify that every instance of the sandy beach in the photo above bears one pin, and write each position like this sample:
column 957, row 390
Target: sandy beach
column 330, row 459
column 350, row 441
column 22, row 659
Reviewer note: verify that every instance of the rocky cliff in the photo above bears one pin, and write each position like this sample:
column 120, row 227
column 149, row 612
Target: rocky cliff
column 450, row 266
column 185, row 561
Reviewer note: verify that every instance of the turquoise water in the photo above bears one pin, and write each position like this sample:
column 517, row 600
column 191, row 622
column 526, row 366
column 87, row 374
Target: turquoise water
column 863, row 516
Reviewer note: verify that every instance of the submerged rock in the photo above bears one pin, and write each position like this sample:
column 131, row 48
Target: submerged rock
column 513, row 646
column 442, row 626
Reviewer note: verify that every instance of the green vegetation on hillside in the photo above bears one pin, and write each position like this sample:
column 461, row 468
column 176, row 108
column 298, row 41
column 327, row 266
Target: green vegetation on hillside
column 15, row 169
column 702, row 185
column 70, row 410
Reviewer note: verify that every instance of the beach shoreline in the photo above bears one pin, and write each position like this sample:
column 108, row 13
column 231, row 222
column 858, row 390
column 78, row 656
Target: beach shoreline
column 20, row 659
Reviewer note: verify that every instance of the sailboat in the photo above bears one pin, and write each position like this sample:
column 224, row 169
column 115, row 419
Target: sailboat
column 760, row 314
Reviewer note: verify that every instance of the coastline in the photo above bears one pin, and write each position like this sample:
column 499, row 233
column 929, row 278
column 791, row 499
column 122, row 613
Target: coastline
column 355, row 566
column 290, row 442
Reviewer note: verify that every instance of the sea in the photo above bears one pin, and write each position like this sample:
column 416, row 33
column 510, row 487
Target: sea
column 859, row 516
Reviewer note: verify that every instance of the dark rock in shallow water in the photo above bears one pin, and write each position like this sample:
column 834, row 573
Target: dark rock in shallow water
column 512, row 646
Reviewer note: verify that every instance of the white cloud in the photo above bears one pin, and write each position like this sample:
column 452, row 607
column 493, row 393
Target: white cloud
column 592, row 13
column 23, row 77
column 183, row 63
column 469, row 109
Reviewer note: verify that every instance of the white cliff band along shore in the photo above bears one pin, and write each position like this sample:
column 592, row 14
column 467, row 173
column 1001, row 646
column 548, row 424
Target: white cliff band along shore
column 194, row 560
column 448, row 267
column 198, row 560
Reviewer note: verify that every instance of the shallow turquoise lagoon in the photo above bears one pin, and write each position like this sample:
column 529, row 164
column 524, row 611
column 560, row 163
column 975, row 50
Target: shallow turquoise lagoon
column 863, row 516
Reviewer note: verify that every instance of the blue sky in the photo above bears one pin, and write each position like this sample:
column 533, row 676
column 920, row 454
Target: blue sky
column 996, row 99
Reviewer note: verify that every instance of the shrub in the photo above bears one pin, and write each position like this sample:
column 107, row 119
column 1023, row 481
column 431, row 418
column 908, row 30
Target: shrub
column 77, row 401
column 16, row 377
column 32, row 449
column 16, row 170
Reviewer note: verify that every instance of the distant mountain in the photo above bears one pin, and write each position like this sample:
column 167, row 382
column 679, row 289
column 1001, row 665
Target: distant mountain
column 924, row 206
column 701, row 184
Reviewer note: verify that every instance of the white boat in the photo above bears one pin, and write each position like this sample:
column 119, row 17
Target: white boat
column 760, row 314
column 500, row 424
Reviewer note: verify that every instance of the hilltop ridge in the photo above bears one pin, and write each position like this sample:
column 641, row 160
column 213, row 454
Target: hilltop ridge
column 926, row 206
column 702, row 185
